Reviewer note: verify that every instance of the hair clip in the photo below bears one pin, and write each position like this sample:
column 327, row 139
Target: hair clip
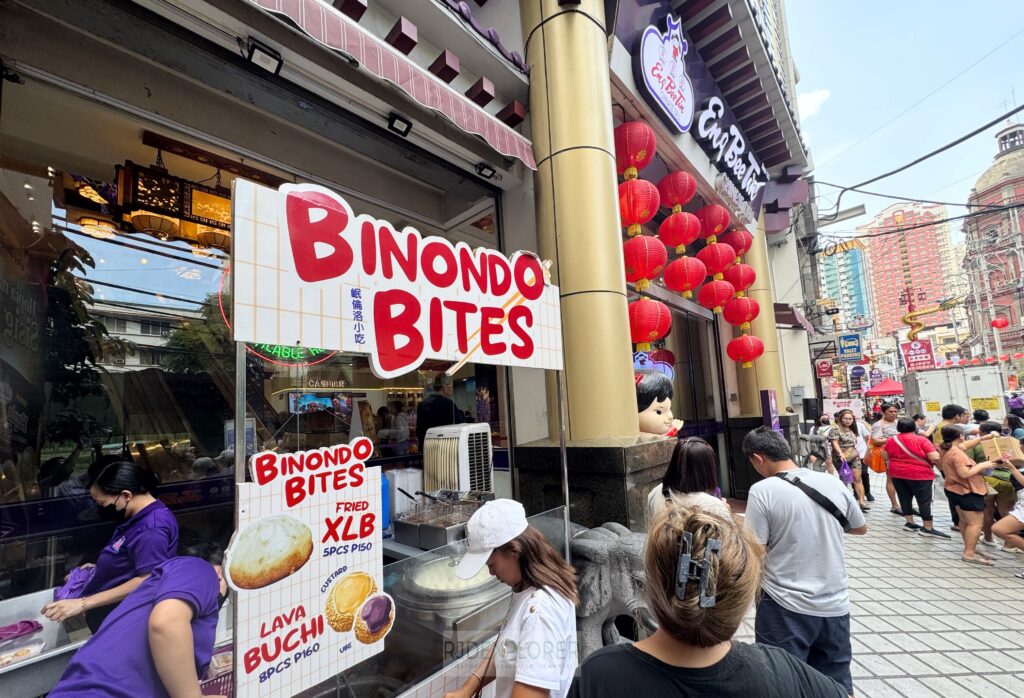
column 690, row 570
column 637, row 377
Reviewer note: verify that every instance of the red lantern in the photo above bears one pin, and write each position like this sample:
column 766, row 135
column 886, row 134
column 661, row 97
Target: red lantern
column 741, row 312
column 741, row 276
column 745, row 349
column 1004, row 357
column 634, row 148
column 739, row 239
column 948, row 364
column 1018, row 355
column 715, row 294
column 679, row 230
column 962, row 362
column 1000, row 323
column 685, row 274
column 638, row 202
column 676, row 189
column 663, row 356
column 649, row 320
column 975, row 361
column 714, row 219
column 717, row 257
column 645, row 258
column 990, row 359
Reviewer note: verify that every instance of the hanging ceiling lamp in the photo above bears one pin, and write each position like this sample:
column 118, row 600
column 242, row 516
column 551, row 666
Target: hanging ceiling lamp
column 213, row 237
column 156, row 224
column 94, row 227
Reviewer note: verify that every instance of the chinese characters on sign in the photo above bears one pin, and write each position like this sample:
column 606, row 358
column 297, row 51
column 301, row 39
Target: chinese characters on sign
column 917, row 355
column 309, row 272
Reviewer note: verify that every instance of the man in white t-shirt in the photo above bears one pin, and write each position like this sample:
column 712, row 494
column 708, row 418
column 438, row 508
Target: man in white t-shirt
column 805, row 608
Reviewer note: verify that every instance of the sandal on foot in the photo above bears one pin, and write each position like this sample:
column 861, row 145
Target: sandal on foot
column 896, row 511
column 1019, row 575
column 977, row 560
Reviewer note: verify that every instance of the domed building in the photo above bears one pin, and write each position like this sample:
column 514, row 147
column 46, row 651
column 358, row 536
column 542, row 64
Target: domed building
column 995, row 249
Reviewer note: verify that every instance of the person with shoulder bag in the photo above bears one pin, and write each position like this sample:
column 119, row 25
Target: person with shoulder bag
column 843, row 437
column 912, row 462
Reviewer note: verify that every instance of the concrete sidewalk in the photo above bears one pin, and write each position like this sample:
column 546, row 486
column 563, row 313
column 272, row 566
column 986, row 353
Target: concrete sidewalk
column 925, row 623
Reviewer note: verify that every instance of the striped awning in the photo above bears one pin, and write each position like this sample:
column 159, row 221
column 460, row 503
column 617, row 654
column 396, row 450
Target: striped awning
column 329, row 27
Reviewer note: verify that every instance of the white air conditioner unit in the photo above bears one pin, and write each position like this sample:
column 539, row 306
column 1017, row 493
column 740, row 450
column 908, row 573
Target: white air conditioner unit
column 458, row 457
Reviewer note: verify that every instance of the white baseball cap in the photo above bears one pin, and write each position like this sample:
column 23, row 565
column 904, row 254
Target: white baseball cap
column 493, row 525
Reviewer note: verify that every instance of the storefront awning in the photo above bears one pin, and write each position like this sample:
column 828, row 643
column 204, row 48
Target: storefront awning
column 329, row 27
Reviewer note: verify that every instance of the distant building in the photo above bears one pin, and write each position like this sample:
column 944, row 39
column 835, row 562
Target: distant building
column 994, row 257
column 146, row 328
column 843, row 272
column 910, row 258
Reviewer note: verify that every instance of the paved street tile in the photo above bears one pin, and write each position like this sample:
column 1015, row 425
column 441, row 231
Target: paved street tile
column 942, row 663
column 910, row 665
column 880, row 666
column 875, row 688
column 982, row 687
column 911, row 688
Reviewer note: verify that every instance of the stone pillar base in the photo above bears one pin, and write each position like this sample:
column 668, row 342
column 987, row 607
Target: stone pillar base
column 608, row 478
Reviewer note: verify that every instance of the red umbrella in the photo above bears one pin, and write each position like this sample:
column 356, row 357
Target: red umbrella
column 886, row 387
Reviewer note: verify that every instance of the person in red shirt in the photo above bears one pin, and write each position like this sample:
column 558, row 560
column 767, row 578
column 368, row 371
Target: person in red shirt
column 912, row 462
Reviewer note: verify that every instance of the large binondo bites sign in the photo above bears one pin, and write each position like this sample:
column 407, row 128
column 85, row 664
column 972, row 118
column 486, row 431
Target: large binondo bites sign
column 310, row 272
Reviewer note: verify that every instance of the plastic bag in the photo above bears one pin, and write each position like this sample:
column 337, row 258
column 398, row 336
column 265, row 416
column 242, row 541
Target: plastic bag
column 845, row 472
column 75, row 584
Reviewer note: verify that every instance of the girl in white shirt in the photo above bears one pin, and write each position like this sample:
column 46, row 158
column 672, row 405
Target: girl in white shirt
column 535, row 653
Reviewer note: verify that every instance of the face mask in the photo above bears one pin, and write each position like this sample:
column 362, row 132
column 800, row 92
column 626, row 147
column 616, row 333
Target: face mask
column 110, row 512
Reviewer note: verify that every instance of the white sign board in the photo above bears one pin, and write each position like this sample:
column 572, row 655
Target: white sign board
column 307, row 565
column 833, row 405
column 310, row 272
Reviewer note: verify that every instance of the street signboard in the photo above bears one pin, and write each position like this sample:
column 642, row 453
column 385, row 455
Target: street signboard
column 858, row 371
column 918, row 355
column 860, row 322
column 848, row 347
column 823, row 368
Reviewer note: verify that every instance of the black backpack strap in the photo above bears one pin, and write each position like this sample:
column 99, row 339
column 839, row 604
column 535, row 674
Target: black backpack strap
column 822, row 501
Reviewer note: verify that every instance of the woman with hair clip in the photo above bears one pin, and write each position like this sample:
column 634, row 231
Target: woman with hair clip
column 534, row 655
column 147, row 535
column 690, row 481
column 703, row 574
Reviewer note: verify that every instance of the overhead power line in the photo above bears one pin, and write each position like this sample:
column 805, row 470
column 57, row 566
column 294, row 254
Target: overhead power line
column 927, row 156
column 904, row 198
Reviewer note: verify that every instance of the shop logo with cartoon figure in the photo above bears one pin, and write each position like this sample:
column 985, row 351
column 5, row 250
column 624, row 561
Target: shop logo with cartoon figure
column 662, row 69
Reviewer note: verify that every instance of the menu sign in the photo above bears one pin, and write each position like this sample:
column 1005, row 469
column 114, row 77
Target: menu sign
column 918, row 355
column 309, row 272
column 307, row 566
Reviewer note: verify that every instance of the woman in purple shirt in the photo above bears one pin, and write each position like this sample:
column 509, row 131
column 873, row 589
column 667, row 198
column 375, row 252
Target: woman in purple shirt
column 157, row 642
column 148, row 536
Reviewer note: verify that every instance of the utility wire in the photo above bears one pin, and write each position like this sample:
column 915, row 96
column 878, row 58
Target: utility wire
column 904, row 198
column 921, row 159
column 918, row 102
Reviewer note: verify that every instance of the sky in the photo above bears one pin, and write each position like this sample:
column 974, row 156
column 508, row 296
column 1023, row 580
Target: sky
column 863, row 63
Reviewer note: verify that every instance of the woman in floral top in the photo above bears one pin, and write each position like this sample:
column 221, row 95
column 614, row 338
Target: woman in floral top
column 844, row 447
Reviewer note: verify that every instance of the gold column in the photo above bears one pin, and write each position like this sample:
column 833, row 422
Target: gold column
column 577, row 213
column 766, row 373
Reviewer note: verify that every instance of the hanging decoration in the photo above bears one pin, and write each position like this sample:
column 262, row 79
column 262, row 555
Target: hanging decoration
column 962, row 362
column 715, row 294
column 634, row 148
column 741, row 276
column 717, row 257
column 745, row 349
column 739, row 239
column 679, row 230
column 638, row 202
column 676, row 190
column 714, row 219
column 649, row 321
column 663, row 356
column 644, row 258
column 990, row 359
column 684, row 274
column 1000, row 323
column 975, row 361
column 1018, row 355
column 741, row 311
column 1004, row 357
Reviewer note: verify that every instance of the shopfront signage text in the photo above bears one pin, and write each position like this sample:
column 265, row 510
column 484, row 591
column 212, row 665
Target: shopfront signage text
column 848, row 347
column 306, row 566
column 725, row 144
column 823, row 368
column 662, row 72
column 309, row 272
column 918, row 355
